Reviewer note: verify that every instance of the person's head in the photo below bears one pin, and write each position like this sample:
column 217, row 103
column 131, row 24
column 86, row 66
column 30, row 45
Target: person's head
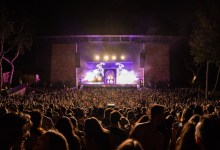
column 64, row 126
column 130, row 144
column 14, row 129
column 207, row 133
column 210, row 109
column 131, row 115
column 101, row 113
column 13, row 108
column 186, row 115
column 187, row 137
column 194, row 119
column 49, row 113
column 63, row 111
column 115, row 117
column 144, row 110
column 157, row 113
column 20, row 108
column 3, row 110
column 198, row 110
column 36, row 118
column 123, row 122
column 74, row 122
column 51, row 140
column 169, row 120
column 93, row 127
column 40, row 108
column 143, row 118
column 108, row 112
column 80, row 114
column 173, row 113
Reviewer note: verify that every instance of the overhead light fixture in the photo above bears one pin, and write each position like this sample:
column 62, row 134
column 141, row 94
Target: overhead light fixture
column 122, row 57
column 97, row 57
column 113, row 57
column 106, row 57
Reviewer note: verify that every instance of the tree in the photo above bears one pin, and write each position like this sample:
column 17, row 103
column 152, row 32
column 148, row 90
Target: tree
column 15, row 37
column 6, row 28
column 217, row 77
column 192, row 67
column 205, row 40
column 19, row 43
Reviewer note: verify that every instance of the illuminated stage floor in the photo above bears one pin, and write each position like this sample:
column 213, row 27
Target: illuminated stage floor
column 100, row 85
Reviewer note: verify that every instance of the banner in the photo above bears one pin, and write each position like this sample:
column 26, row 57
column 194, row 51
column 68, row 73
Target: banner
column 6, row 76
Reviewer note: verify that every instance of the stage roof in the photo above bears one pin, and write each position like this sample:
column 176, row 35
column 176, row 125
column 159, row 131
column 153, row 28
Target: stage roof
column 111, row 38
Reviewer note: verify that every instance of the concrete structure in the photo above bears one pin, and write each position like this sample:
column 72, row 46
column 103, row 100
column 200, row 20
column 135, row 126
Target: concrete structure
column 57, row 61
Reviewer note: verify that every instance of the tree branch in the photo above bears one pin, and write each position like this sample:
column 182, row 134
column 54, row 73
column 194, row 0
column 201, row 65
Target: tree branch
column 2, row 44
column 6, row 59
column 8, row 50
column 16, row 56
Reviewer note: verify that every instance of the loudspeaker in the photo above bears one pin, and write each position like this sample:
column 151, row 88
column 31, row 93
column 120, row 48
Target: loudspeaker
column 142, row 59
column 77, row 59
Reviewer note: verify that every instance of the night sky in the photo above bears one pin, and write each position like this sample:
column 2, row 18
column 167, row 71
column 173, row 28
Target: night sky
column 118, row 17
column 68, row 17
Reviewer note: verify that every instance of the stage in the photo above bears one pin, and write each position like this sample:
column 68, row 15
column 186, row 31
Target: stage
column 101, row 85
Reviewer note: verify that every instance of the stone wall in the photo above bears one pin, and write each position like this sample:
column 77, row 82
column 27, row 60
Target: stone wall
column 63, row 67
column 157, row 70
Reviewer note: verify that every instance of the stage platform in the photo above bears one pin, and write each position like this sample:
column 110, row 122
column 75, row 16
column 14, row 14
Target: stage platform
column 109, row 85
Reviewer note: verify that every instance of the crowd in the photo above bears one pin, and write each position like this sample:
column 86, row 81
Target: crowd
column 104, row 118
